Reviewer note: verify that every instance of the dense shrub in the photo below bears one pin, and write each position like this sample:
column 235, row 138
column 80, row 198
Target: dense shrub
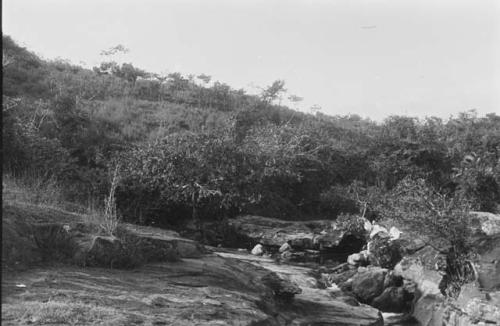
column 442, row 216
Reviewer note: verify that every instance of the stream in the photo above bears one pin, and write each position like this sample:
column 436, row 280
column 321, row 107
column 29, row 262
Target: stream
column 306, row 272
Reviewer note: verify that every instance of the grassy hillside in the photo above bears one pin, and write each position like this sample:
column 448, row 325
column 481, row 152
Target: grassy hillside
column 189, row 148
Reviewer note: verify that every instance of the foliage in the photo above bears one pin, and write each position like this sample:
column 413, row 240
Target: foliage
column 440, row 215
column 351, row 224
column 273, row 91
column 195, row 148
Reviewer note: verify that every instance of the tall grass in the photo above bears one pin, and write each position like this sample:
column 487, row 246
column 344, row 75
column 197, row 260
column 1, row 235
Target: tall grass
column 110, row 218
column 32, row 187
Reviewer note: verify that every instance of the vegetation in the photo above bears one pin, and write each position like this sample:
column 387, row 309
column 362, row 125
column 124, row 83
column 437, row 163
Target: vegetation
column 194, row 149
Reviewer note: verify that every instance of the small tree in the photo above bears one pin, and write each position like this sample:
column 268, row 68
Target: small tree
column 273, row 92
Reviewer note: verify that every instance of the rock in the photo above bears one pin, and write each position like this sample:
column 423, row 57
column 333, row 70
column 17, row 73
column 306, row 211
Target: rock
column 19, row 249
column 436, row 311
column 479, row 310
column 359, row 259
column 285, row 247
column 377, row 229
column 159, row 244
column 338, row 278
column 488, row 262
column 393, row 299
column 329, row 239
column 257, row 250
column 354, row 259
column 394, row 233
column 323, row 310
column 368, row 226
column 410, row 287
column 274, row 232
column 349, row 300
column 300, row 235
column 419, row 272
column 314, row 306
column 346, row 286
column 488, row 223
column 195, row 291
column 282, row 288
column 368, row 283
column 420, row 268
column 409, row 244
column 287, row 255
column 108, row 252
column 392, row 280
column 384, row 252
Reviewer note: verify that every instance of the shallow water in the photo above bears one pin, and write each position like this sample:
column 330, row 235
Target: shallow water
column 304, row 272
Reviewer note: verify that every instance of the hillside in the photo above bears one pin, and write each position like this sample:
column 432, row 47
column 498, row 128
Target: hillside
column 73, row 125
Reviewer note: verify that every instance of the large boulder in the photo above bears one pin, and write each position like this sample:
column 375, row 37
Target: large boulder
column 424, row 268
column 485, row 222
column 368, row 283
column 393, row 299
column 488, row 262
column 421, row 269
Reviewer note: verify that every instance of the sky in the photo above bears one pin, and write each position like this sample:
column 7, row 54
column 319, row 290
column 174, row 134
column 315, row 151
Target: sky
column 373, row 58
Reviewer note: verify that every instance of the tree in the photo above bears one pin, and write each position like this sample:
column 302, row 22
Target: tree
column 204, row 78
column 273, row 92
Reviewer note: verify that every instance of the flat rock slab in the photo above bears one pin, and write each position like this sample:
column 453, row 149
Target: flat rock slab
column 184, row 248
column 207, row 291
column 274, row 232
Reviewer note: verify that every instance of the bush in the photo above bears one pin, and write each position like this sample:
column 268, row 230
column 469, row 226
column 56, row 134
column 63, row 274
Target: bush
column 429, row 212
column 441, row 217
column 351, row 224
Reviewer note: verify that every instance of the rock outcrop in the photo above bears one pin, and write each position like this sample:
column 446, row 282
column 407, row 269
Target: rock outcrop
column 419, row 282
column 164, row 288
column 30, row 240
column 300, row 235
column 368, row 283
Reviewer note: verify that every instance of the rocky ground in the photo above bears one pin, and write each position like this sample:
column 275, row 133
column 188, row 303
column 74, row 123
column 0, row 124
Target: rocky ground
column 398, row 270
column 58, row 270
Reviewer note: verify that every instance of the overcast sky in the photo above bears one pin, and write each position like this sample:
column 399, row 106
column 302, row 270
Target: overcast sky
column 373, row 57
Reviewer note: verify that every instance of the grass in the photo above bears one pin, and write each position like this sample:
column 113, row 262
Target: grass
column 107, row 217
column 110, row 219
column 57, row 313
column 33, row 189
